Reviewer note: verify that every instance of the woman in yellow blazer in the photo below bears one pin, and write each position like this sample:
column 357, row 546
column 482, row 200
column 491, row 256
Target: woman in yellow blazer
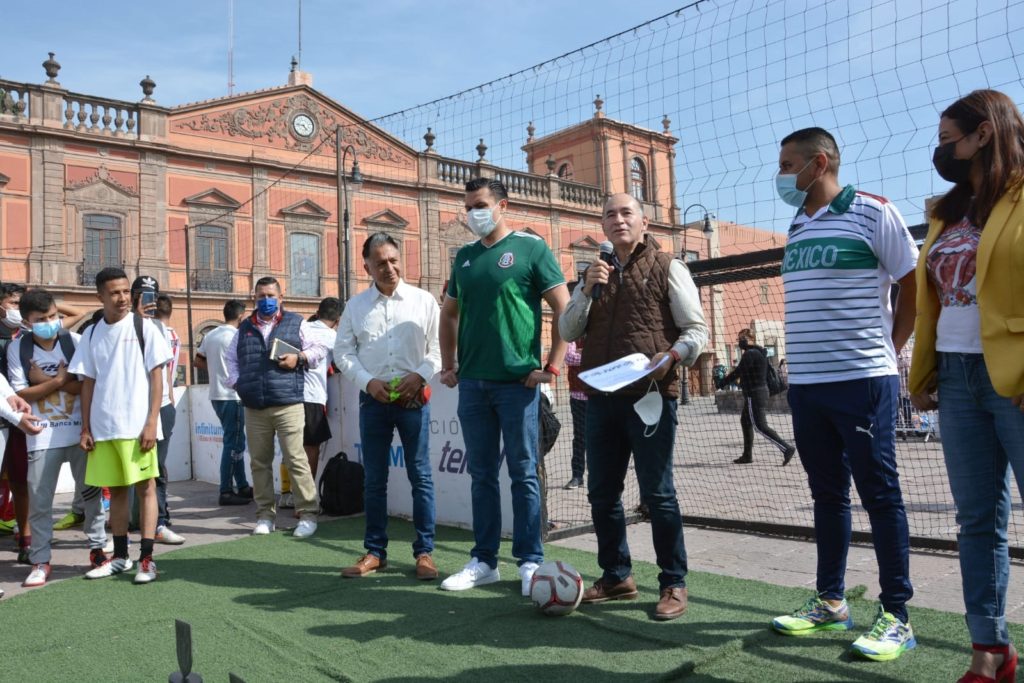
column 969, row 347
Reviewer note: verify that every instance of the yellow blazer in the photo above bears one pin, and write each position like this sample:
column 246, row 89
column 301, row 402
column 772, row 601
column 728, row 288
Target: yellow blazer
column 1000, row 286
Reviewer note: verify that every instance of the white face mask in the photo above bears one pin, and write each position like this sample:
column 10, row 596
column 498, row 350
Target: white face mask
column 12, row 318
column 481, row 222
column 649, row 409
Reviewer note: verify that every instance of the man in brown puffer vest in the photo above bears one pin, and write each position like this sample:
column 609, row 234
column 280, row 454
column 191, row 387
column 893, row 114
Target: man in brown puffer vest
column 647, row 304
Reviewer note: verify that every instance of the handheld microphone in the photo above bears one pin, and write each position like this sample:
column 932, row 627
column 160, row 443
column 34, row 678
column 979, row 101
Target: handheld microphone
column 606, row 251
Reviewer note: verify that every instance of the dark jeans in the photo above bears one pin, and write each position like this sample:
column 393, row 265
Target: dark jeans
column 843, row 429
column 754, row 406
column 232, row 459
column 492, row 415
column 377, row 424
column 614, row 432
column 579, row 436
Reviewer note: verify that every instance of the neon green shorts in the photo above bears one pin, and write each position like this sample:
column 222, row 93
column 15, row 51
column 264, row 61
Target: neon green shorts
column 120, row 462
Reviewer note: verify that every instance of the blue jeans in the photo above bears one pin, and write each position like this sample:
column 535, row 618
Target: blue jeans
column 232, row 462
column 614, row 433
column 377, row 424
column 506, row 410
column 982, row 433
column 845, row 428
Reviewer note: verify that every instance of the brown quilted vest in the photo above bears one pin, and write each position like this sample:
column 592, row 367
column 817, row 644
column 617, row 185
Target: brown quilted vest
column 633, row 316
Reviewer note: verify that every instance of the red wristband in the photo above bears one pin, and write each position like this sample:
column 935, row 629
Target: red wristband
column 552, row 369
column 675, row 355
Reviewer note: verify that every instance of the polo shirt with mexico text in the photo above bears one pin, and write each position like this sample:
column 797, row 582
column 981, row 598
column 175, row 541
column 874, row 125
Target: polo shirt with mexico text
column 499, row 290
column 838, row 269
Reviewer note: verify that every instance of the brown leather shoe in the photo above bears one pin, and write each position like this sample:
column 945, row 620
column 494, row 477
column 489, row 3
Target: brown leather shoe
column 602, row 592
column 426, row 570
column 367, row 564
column 672, row 604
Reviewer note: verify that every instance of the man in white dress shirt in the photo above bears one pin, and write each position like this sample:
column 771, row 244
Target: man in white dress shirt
column 387, row 345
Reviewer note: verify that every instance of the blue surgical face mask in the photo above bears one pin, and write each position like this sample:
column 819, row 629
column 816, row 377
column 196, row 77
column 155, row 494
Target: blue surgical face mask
column 47, row 329
column 785, row 185
column 267, row 306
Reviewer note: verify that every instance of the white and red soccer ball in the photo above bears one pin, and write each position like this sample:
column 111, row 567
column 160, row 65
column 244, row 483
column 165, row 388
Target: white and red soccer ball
column 556, row 588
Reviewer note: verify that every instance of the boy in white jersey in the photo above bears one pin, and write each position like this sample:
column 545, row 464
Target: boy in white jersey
column 122, row 358
column 844, row 251
column 37, row 363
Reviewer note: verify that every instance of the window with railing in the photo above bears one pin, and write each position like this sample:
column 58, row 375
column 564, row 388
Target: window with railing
column 102, row 245
column 211, row 267
column 638, row 179
column 304, row 249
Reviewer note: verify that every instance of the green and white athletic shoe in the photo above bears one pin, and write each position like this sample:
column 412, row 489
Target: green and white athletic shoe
column 815, row 615
column 887, row 639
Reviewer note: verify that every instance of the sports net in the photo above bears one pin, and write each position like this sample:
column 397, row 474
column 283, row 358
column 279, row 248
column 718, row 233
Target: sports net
column 706, row 93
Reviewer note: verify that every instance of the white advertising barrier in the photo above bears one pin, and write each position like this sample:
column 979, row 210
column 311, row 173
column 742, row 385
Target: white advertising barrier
column 447, row 459
column 179, row 453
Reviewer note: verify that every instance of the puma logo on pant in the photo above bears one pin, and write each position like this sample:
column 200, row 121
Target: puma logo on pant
column 866, row 431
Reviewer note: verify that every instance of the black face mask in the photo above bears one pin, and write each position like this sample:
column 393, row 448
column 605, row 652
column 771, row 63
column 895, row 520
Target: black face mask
column 744, row 343
column 948, row 166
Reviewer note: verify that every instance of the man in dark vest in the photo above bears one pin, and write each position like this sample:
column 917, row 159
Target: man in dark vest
column 646, row 303
column 269, row 379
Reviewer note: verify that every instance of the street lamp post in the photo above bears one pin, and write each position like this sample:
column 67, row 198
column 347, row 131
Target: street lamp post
column 707, row 226
column 356, row 178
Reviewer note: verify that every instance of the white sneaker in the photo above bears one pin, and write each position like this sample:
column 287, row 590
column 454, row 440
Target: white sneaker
column 475, row 573
column 168, row 537
column 147, row 571
column 305, row 528
column 109, row 547
column 37, row 577
column 286, row 501
column 526, row 572
column 263, row 527
column 114, row 565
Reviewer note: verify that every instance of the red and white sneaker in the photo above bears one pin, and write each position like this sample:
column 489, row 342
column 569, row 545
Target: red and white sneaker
column 97, row 556
column 38, row 576
column 147, row 571
column 111, row 566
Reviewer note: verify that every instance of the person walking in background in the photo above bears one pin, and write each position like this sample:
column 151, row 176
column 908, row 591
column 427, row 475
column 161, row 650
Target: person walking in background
column 844, row 251
column 753, row 374
column 234, row 487
column 969, row 347
column 578, row 408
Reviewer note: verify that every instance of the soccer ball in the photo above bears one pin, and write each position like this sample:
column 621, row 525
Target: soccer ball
column 556, row 588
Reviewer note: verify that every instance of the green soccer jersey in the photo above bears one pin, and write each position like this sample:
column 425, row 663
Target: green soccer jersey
column 499, row 292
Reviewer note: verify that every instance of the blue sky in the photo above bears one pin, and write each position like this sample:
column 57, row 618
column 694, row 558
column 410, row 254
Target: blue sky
column 375, row 57
column 734, row 76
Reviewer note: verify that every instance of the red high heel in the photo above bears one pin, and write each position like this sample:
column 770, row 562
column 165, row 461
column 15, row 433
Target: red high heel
column 1007, row 671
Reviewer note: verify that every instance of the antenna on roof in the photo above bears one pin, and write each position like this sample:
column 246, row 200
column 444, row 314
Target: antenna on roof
column 231, row 47
column 300, row 32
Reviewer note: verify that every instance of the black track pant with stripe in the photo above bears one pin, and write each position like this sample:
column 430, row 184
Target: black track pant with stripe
column 754, row 405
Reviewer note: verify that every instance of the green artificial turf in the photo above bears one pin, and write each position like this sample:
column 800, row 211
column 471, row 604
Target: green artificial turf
column 276, row 609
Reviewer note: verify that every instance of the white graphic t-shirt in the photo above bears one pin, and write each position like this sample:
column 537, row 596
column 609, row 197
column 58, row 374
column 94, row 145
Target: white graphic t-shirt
column 951, row 267
column 60, row 413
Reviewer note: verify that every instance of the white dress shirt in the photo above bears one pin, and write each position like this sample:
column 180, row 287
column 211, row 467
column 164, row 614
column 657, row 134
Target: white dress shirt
column 383, row 337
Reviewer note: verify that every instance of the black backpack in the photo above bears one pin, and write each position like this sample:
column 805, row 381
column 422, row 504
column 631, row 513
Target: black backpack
column 774, row 382
column 549, row 426
column 64, row 338
column 341, row 487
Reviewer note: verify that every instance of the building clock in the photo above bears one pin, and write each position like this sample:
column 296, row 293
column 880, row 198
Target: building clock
column 303, row 126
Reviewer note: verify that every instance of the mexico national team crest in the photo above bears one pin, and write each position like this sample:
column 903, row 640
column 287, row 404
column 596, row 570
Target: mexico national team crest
column 506, row 260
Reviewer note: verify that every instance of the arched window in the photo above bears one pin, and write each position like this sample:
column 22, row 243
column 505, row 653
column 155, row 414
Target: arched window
column 102, row 242
column 565, row 171
column 638, row 179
